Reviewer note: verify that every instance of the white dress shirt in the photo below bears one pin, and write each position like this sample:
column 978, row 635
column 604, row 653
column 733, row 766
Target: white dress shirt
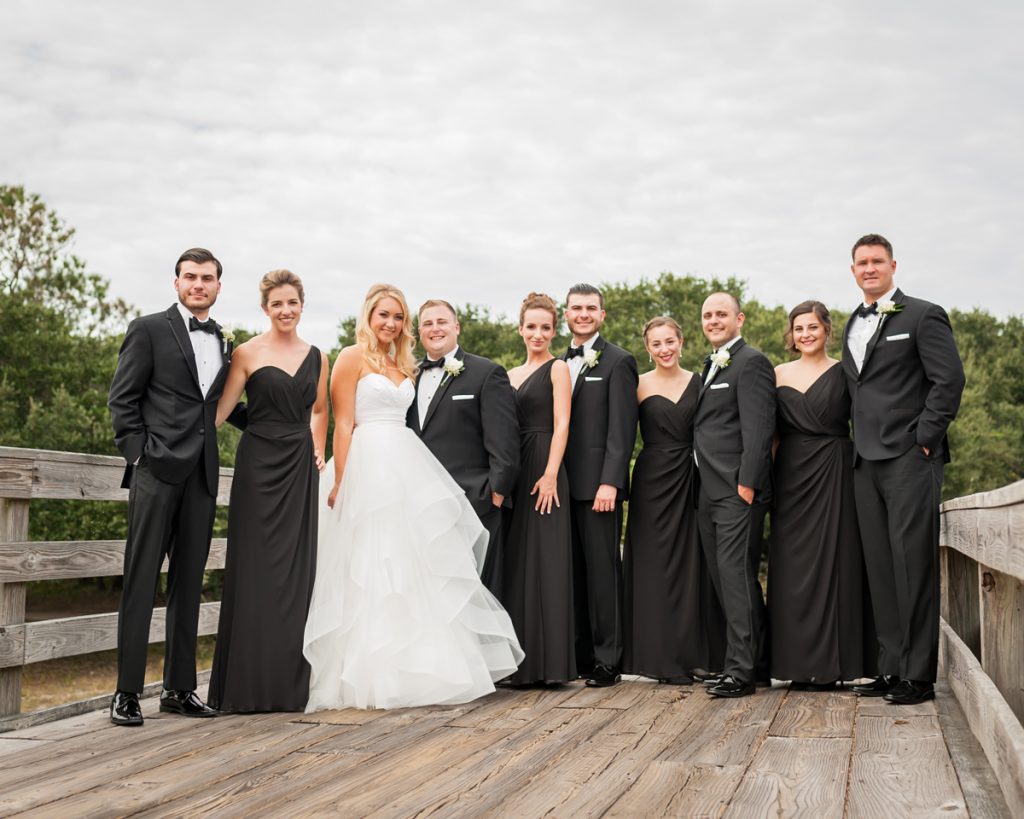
column 429, row 383
column 714, row 367
column 207, row 347
column 861, row 330
column 577, row 364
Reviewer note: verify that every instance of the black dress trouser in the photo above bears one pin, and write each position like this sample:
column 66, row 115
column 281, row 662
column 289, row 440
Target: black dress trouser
column 597, row 585
column 898, row 511
column 164, row 519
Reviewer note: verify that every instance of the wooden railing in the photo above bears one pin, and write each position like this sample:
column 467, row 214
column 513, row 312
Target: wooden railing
column 29, row 474
column 982, row 646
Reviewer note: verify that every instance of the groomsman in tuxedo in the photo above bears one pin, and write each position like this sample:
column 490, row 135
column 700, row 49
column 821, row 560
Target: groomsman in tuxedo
column 163, row 401
column 733, row 431
column 906, row 379
column 465, row 412
column 602, row 430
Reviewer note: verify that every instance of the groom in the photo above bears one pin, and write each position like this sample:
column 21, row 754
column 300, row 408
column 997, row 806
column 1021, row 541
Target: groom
column 732, row 446
column 163, row 401
column 465, row 413
column 906, row 379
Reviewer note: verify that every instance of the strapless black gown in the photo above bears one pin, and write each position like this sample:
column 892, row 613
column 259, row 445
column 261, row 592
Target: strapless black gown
column 818, row 612
column 672, row 622
column 537, row 582
column 271, row 555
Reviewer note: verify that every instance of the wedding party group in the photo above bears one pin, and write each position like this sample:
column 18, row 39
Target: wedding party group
column 471, row 527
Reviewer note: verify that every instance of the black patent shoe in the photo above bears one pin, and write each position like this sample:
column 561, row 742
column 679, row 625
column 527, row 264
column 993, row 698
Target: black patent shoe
column 908, row 692
column 185, row 703
column 603, row 676
column 125, row 709
column 878, row 687
column 711, row 680
column 731, row 687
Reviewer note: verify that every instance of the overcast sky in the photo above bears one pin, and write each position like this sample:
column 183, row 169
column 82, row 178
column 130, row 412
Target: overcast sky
column 475, row 151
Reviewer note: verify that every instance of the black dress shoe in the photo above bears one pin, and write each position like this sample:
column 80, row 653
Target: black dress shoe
column 731, row 687
column 125, row 709
column 185, row 703
column 908, row 692
column 878, row 687
column 603, row 676
column 711, row 680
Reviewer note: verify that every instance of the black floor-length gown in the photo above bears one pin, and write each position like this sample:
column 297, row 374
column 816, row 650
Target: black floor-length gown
column 672, row 621
column 537, row 583
column 271, row 555
column 818, row 613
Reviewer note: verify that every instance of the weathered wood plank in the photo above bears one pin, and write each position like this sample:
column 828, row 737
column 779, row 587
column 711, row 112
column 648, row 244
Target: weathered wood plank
column 17, row 746
column 71, row 636
column 961, row 598
column 901, row 768
column 60, row 560
column 988, row 527
column 980, row 787
column 13, row 526
column 180, row 764
column 1002, row 636
column 672, row 788
column 878, row 707
column 795, row 776
column 816, row 714
column 994, row 725
column 41, row 473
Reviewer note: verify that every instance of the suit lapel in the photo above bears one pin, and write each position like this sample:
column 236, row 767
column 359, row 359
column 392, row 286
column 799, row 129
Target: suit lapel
column 735, row 348
column 225, row 361
column 848, row 363
column 446, row 382
column 599, row 345
column 181, row 336
column 873, row 341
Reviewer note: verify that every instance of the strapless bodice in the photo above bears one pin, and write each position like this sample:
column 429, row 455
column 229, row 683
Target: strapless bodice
column 380, row 400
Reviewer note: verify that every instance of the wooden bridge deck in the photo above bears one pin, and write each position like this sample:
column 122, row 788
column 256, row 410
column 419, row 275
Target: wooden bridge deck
column 639, row 749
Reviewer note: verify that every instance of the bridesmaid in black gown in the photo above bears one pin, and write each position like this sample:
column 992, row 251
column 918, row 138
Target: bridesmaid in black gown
column 673, row 625
column 817, row 611
column 537, row 582
column 272, row 517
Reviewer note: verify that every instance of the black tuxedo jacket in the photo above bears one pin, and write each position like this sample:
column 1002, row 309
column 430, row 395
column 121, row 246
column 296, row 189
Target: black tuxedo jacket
column 908, row 390
column 472, row 428
column 156, row 405
column 734, row 425
column 602, row 426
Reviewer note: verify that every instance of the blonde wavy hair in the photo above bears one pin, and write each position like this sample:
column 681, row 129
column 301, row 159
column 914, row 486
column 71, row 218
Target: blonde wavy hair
column 367, row 342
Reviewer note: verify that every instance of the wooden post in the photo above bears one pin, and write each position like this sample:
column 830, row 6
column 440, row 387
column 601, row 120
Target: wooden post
column 13, row 527
column 1002, row 635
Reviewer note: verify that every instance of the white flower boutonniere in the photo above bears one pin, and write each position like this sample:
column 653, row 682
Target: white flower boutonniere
column 721, row 359
column 454, row 367
column 590, row 358
column 886, row 308
column 228, row 337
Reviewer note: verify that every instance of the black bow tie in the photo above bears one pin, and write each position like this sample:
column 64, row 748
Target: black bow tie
column 203, row 326
column 572, row 352
column 427, row 364
column 864, row 310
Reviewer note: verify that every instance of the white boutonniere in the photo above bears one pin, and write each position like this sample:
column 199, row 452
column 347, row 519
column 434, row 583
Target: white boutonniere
column 721, row 359
column 227, row 337
column 591, row 357
column 886, row 308
column 454, row 367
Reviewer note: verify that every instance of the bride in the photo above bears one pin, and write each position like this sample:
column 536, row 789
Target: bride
column 399, row 616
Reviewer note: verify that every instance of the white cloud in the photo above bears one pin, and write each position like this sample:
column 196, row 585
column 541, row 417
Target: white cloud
column 476, row 152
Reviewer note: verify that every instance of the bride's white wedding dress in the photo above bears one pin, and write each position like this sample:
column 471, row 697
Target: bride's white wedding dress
column 399, row 616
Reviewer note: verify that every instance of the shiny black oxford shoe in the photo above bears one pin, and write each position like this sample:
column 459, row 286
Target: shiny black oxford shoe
column 125, row 709
column 908, row 692
column 731, row 687
column 185, row 703
column 603, row 676
column 878, row 687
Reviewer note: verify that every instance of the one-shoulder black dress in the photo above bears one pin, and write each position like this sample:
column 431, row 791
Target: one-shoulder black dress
column 672, row 622
column 537, row 582
column 271, row 555
column 818, row 614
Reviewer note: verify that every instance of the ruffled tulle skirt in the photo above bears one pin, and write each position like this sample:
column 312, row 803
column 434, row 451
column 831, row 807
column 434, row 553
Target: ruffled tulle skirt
column 399, row 616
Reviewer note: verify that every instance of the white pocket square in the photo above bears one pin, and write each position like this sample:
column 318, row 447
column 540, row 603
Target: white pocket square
column 592, row 378
column 719, row 386
column 462, row 397
column 898, row 337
